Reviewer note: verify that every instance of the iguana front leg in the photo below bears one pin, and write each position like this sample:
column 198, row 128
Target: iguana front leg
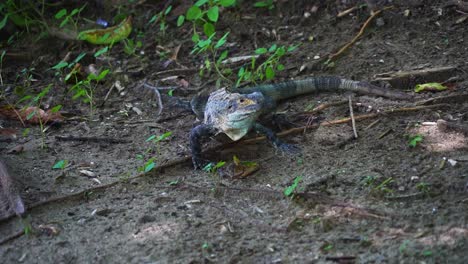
column 196, row 134
column 278, row 143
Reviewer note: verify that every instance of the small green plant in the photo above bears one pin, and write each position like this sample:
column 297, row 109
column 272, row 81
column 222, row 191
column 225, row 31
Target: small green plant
column 383, row 187
column 61, row 165
column 69, row 18
column 212, row 167
column 203, row 15
column 415, row 140
column 34, row 104
column 130, row 46
column 156, row 140
column 161, row 17
column 288, row 191
column 370, row 181
column 151, row 162
column 266, row 70
column 269, row 4
column 423, row 187
column 404, row 246
column 85, row 89
column 62, row 65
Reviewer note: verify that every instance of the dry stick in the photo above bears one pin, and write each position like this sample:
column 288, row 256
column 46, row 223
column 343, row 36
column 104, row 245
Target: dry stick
column 334, row 56
column 326, row 105
column 347, row 11
column 351, row 114
column 187, row 158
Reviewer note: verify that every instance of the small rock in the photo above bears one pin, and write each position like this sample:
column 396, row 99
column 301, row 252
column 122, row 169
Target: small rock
column 414, row 178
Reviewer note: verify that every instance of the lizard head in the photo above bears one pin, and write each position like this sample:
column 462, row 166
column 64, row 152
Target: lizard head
column 232, row 113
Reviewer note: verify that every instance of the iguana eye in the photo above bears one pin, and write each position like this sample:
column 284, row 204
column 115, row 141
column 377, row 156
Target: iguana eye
column 241, row 101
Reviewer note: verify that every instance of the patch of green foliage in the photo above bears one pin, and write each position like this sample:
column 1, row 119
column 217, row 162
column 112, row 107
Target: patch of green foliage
column 288, row 191
column 266, row 70
column 415, row 140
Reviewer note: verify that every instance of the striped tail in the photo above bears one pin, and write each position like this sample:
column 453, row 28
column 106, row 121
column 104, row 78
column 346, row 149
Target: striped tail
column 285, row 90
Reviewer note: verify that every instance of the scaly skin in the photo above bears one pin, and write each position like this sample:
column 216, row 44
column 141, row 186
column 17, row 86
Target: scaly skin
column 235, row 112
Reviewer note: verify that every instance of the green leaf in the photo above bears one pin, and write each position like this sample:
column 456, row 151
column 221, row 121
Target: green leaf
column 261, row 51
column 222, row 57
column 56, row 108
column 241, row 72
column 213, row 13
column 280, row 67
column 74, row 12
column 204, row 43
column 292, row 48
column 269, row 73
column 61, row 164
column 151, row 138
column 180, row 20
column 61, row 13
column 31, row 115
column 290, row 189
column 3, row 22
column 221, row 41
column 102, row 75
column 60, row 65
column 170, row 92
column 433, row 87
column 101, row 51
column 153, row 18
column 272, row 48
column 64, row 22
column 149, row 166
column 78, row 58
column 200, row 2
column 163, row 136
column 209, row 29
column 280, row 51
column 194, row 13
column 227, row 3
column 168, row 9
column 195, row 37
column 414, row 140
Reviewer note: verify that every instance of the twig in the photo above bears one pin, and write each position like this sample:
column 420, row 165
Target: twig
column 351, row 114
column 11, row 237
column 347, row 11
column 107, row 94
column 372, row 124
column 92, row 139
column 334, row 56
column 175, row 72
column 326, row 105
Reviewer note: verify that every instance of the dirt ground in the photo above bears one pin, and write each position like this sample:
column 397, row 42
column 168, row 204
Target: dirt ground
column 373, row 199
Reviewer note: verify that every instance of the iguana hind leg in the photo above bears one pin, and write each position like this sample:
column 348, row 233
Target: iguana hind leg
column 278, row 143
column 196, row 135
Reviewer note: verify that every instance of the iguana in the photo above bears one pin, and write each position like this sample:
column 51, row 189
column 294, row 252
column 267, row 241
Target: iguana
column 235, row 112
